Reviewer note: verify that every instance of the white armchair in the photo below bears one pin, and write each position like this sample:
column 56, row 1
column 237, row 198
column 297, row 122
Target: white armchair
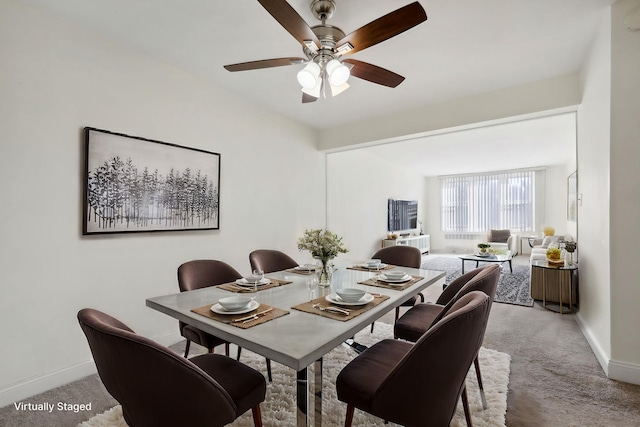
column 502, row 239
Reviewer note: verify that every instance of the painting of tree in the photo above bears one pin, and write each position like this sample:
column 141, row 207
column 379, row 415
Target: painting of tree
column 134, row 184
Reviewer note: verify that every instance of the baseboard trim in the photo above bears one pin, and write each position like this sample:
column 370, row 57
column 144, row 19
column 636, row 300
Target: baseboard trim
column 625, row 372
column 613, row 369
column 36, row 385
column 602, row 357
column 25, row 389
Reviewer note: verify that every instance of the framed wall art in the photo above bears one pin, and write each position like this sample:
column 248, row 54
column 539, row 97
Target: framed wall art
column 134, row 184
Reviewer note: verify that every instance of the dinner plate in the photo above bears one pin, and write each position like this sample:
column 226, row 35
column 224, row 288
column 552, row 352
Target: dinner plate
column 335, row 299
column 217, row 308
column 309, row 267
column 384, row 278
column 245, row 282
column 378, row 267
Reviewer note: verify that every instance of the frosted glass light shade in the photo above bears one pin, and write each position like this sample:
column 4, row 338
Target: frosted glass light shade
column 308, row 76
column 337, row 90
column 338, row 73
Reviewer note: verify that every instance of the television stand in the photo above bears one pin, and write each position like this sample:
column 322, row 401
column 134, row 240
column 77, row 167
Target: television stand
column 422, row 242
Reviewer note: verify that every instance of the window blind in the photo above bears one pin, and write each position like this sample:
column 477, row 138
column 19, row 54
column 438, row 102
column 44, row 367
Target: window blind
column 477, row 203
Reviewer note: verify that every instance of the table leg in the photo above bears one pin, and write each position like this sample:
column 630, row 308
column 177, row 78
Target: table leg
column 510, row 267
column 544, row 289
column 317, row 392
column 561, row 299
column 303, row 415
column 570, row 291
column 462, row 266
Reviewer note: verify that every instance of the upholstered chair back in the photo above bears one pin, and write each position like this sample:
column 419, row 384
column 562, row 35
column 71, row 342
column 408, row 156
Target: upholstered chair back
column 424, row 387
column 404, row 256
column 205, row 272
column 155, row 386
column 269, row 260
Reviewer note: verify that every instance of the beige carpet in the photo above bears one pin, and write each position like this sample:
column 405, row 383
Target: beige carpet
column 278, row 408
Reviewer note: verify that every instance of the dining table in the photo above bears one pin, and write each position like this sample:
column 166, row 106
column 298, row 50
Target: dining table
column 299, row 339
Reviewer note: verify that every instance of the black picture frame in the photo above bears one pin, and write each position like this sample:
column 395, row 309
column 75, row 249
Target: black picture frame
column 134, row 184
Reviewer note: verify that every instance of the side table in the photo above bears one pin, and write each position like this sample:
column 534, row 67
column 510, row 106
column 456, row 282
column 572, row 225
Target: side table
column 555, row 282
column 527, row 238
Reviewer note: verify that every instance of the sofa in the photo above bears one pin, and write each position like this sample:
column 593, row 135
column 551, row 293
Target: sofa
column 540, row 246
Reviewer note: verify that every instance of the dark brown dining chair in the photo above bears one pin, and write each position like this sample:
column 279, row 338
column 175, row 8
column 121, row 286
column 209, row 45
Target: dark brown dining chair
column 199, row 274
column 158, row 388
column 418, row 319
column 418, row 384
column 270, row 260
column 402, row 256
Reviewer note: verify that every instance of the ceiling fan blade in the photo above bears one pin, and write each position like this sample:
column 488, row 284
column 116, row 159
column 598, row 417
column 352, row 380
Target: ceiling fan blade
column 264, row 63
column 290, row 20
column 308, row 98
column 373, row 73
column 384, row 28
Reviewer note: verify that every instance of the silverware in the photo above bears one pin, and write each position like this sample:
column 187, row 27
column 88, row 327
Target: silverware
column 332, row 309
column 253, row 316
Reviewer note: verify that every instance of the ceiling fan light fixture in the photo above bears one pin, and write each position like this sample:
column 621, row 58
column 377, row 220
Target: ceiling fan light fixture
column 308, row 76
column 315, row 90
column 337, row 90
column 338, row 73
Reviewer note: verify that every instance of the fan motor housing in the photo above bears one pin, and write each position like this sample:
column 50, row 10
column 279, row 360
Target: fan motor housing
column 323, row 9
column 328, row 36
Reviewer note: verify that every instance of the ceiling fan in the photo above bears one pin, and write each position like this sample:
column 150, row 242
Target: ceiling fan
column 324, row 46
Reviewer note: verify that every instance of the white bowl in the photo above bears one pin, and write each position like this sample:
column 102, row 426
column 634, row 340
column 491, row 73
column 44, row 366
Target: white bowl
column 396, row 274
column 234, row 303
column 373, row 262
column 350, row 294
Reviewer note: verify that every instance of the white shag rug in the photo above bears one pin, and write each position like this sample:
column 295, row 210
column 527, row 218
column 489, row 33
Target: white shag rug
column 278, row 409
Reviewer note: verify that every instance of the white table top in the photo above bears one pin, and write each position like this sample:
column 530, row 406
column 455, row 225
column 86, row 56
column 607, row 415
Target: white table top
column 297, row 339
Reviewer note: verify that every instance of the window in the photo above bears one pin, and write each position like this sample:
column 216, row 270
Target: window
column 477, row 203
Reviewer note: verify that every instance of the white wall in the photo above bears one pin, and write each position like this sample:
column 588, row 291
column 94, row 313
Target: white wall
column 609, row 182
column 358, row 186
column 625, row 195
column 55, row 79
column 593, row 184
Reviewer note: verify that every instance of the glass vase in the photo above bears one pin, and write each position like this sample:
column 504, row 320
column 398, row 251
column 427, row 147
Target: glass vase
column 325, row 273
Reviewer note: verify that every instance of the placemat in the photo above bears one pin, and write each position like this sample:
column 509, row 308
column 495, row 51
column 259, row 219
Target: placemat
column 370, row 270
column 274, row 313
column 381, row 284
column 233, row 287
column 303, row 272
column 354, row 310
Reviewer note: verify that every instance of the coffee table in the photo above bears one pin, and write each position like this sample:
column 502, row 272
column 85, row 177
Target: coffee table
column 491, row 258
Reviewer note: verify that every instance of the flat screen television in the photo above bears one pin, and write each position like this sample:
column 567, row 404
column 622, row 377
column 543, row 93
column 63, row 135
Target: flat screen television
column 402, row 215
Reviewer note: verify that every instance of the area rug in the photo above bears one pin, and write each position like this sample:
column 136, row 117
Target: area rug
column 513, row 288
column 279, row 407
